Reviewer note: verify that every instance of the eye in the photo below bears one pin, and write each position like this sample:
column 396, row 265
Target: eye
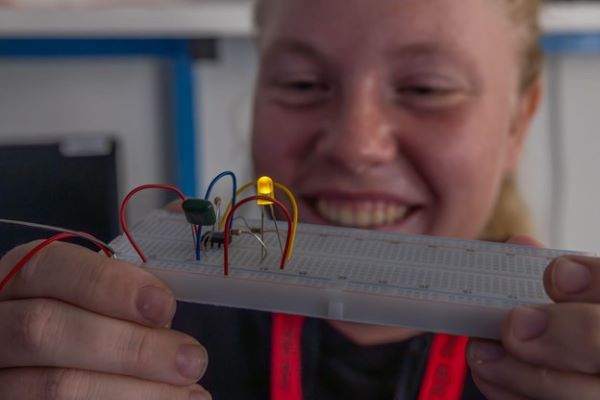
column 424, row 90
column 300, row 92
column 303, row 86
column 429, row 95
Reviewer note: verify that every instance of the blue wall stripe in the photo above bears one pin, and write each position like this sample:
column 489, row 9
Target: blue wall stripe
column 572, row 43
column 155, row 47
column 114, row 47
column 556, row 43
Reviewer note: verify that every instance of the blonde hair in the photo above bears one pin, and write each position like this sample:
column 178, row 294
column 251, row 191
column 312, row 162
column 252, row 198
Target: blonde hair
column 524, row 15
column 510, row 216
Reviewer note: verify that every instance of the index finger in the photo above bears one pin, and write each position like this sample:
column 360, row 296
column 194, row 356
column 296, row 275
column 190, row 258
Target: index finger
column 175, row 206
column 573, row 279
column 90, row 281
column 525, row 240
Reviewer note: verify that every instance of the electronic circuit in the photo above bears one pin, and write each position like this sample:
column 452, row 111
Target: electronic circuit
column 428, row 283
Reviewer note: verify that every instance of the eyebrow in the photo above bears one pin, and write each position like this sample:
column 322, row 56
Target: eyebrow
column 296, row 47
column 412, row 50
column 420, row 48
column 432, row 49
column 448, row 52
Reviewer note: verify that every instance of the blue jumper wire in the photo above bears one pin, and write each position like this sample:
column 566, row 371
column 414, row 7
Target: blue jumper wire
column 207, row 198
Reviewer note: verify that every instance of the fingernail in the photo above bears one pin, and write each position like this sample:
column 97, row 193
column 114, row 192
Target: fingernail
column 191, row 361
column 570, row 277
column 528, row 323
column 482, row 352
column 200, row 396
column 156, row 305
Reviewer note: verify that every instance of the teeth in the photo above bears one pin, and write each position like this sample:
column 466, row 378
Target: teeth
column 362, row 214
column 390, row 213
column 379, row 214
column 346, row 216
column 363, row 218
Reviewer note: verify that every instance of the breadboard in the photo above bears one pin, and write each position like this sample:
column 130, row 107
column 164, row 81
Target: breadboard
column 427, row 283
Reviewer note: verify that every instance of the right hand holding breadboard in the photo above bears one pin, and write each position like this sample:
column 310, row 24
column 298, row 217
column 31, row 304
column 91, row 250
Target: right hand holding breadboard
column 550, row 351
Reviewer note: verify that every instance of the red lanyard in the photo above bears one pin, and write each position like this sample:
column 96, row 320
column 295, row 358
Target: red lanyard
column 443, row 380
column 286, row 358
column 446, row 369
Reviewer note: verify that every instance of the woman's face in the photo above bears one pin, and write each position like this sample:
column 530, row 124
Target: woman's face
column 391, row 114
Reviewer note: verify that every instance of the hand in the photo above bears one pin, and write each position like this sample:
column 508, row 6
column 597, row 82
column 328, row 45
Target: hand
column 551, row 352
column 77, row 325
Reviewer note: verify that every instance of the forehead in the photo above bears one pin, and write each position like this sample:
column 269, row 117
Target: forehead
column 376, row 25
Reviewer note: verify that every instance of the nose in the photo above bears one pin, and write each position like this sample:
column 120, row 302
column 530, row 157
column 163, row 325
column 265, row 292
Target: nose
column 359, row 133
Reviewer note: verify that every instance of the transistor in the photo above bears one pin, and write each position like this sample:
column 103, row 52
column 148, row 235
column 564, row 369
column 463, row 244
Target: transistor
column 215, row 239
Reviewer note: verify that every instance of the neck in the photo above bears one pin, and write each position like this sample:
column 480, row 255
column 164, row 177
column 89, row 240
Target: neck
column 371, row 335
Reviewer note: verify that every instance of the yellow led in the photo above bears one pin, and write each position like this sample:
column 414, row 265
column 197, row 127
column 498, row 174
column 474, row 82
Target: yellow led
column 265, row 187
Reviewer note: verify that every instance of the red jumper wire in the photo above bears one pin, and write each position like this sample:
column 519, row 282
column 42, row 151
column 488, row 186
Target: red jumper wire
column 228, row 229
column 61, row 236
column 123, row 218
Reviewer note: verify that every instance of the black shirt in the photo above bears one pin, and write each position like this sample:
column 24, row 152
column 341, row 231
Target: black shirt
column 333, row 367
column 350, row 371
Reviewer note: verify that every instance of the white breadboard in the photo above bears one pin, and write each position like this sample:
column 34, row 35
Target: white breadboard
column 428, row 283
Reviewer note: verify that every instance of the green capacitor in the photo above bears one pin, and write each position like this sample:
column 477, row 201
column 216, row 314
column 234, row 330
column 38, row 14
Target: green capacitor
column 199, row 212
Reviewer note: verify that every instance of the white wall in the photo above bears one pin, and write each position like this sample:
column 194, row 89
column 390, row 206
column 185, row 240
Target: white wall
column 535, row 177
column 225, row 89
column 42, row 100
column 562, row 156
column 579, row 125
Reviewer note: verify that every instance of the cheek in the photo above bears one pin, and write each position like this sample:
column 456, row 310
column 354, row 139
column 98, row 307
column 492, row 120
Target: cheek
column 468, row 169
column 281, row 141
column 464, row 164
column 466, row 188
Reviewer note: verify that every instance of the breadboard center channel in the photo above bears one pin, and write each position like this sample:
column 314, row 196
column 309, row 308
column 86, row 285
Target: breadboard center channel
column 427, row 283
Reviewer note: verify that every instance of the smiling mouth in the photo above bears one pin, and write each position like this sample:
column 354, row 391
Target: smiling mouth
column 361, row 213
